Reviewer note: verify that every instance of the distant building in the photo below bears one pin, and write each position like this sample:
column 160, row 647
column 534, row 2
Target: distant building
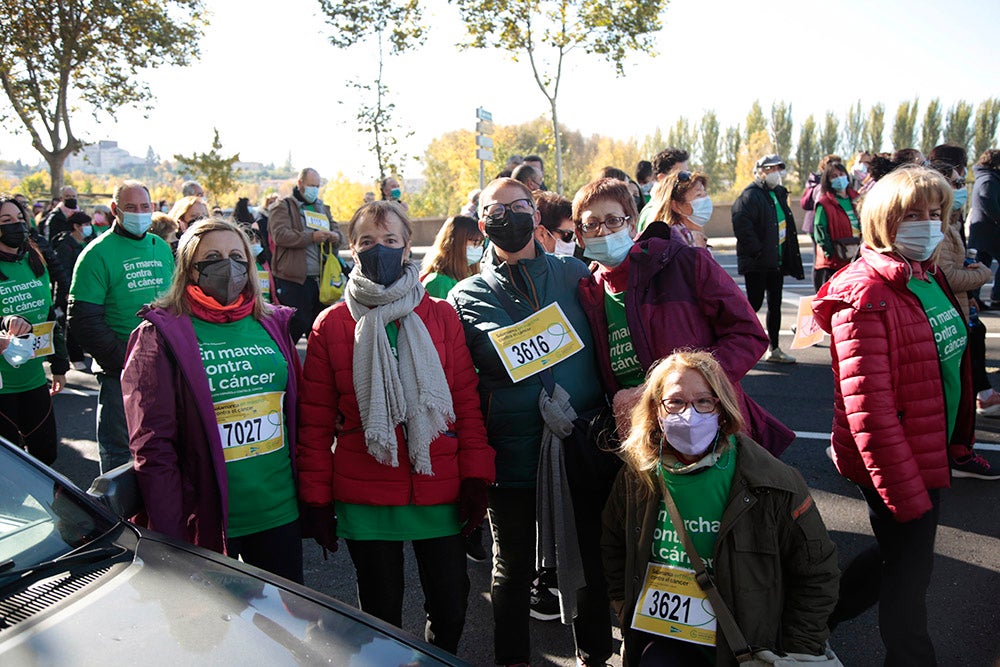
column 102, row 157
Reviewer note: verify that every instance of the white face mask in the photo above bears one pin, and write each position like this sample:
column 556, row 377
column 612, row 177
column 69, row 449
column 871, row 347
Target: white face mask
column 701, row 211
column 473, row 253
column 690, row 432
column 564, row 248
column 917, row 239
column 773, row 179
column 20, row 349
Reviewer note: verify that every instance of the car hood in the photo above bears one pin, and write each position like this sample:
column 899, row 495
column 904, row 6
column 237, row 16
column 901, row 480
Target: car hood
column 179, row 605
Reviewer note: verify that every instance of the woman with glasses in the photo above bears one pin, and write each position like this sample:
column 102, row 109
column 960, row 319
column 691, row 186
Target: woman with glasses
column 684, row 203
column 556, row 231
column 749, row 516
column 455, row 256
column 647, row 298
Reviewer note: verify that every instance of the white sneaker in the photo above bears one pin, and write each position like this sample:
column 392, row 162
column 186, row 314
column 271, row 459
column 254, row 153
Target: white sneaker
column 776, row 356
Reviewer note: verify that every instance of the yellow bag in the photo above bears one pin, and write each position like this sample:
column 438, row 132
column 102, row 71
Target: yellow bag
column 332, row 278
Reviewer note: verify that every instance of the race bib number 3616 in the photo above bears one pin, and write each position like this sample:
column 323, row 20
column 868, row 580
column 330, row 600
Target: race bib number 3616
column 535, row 343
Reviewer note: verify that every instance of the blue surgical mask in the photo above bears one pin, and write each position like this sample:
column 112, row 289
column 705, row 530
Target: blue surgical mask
column 473, row 254
column 701, row 211
column 310, row 193
column 395, row 193
column 918, row 239
column 610, row 250
column 87, row 230
column 20, row 349
column 256, row 249
column 136, row 224
column 961, row 197
column 839, row 183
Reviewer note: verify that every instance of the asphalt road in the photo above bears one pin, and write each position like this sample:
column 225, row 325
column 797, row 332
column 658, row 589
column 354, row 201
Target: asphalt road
column 964, row 594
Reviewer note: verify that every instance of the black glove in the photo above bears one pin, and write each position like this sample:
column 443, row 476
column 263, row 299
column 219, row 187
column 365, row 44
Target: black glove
column 320, row 523
column 472, row 502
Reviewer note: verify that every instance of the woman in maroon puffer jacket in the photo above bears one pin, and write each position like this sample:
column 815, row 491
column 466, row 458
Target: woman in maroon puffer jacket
column 389, row 376
column 902, row 396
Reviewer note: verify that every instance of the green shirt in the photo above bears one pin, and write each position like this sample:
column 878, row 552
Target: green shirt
column 122, row 274
column 821, row 229
column 951, row 337
column 438, row 284
column 247, row 376
column 624, row 362
column 782, row 227
column 30, row 297
column 701, row 498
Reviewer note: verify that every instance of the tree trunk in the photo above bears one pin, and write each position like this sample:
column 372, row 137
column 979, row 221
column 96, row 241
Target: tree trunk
column 558, row 137
column 55, row 162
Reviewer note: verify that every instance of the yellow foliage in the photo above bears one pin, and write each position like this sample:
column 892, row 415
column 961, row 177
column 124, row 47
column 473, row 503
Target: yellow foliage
column 343, row 196
column 757, row 146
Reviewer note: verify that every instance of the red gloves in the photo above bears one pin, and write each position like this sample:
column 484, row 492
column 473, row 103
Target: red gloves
column 472, row 503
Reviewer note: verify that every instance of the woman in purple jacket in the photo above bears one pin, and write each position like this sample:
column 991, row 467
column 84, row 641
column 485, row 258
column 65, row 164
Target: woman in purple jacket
column 210, row 393
column 649, row 297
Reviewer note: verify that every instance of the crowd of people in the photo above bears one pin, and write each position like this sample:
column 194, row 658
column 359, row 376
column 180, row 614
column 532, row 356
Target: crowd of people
column 565, row 371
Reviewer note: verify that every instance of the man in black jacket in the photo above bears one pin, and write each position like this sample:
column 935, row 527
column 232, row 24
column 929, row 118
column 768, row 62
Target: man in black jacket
column 767, row 247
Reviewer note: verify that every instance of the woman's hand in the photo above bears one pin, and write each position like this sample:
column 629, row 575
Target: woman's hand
column 17, row 326
column 58, row 382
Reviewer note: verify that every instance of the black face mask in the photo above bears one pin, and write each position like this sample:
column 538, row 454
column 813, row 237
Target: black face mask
column 511, row 232
column 13, row 234
column 222, row 279
column 381, row 264
column 69, row 202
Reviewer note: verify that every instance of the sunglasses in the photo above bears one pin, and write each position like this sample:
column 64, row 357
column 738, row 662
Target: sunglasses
column 566, row 235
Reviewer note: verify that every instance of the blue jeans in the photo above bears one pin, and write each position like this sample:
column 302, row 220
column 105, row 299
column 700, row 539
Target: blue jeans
column 112, row 432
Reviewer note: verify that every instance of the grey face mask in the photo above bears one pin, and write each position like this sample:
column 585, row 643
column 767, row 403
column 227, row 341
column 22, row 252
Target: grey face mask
column 222, row 279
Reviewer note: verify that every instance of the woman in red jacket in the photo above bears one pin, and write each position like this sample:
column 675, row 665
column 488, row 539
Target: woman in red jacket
column 389, row 376
column 902, row 397
column 836, row 220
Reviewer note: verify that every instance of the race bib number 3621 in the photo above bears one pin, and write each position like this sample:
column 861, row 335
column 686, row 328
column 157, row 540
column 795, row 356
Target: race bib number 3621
column 672, row 604
column 251, row 425
column 537, row 342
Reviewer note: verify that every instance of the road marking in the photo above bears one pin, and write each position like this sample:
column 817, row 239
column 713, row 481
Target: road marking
column 813, row 435
column 79, row 392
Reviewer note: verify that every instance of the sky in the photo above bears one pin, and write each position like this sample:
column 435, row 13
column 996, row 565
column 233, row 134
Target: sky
column 273, row 85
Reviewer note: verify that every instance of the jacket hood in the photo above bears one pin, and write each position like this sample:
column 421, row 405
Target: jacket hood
column 985, row 172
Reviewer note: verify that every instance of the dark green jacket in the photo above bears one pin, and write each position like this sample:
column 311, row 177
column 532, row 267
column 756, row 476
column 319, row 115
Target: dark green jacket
column 513, row 423
column 775, row 565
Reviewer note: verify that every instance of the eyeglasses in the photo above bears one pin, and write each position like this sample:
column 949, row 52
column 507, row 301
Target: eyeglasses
column 702, row 405
column 566, row 235
column 496, row 210
column 613, row 223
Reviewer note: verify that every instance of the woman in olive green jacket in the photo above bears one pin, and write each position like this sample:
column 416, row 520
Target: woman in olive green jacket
column 750, row 517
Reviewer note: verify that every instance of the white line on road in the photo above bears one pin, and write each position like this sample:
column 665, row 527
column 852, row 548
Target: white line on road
column 79, row 392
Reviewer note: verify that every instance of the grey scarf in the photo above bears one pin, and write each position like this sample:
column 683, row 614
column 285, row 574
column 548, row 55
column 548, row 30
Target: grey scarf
column 558, row 545
column 413, row 390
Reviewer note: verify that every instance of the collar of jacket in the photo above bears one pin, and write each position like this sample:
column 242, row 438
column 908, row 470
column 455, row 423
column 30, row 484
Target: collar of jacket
column 657, row 245
column 892, row 267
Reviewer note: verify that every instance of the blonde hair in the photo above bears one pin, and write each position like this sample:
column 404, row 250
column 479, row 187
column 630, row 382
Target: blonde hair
column 892, row 196
column 175, row 299
column 448, row 256
column 673, row 189
column 183, row 205
column 641, row 449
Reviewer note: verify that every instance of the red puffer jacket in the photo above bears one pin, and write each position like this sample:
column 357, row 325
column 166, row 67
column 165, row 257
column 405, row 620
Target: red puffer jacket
column 329, row 408
column 889, row 426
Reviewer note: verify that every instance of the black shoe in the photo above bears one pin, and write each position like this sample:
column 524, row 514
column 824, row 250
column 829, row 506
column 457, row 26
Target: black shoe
column 474, row 546
column 544, row 605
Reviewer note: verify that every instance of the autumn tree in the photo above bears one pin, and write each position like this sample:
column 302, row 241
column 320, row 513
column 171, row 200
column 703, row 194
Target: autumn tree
column 730, row 153
column 546, row 31
column 807, row 153
column 682, row 135
column 755, row 147
column 957, row 128
column 985, row 132
column 854, row 129
column 930, row 130
column 216, row 172
column 904, row 128
column 829, row 138
column 755, row 121
column 60, row 58
column 399, row 24
column 781, row 128
column 875, row 127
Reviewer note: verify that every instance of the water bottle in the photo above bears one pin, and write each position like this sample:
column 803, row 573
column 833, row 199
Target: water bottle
column 971, row 257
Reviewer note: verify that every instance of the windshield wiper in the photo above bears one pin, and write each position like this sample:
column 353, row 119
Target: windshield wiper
column 58, row 564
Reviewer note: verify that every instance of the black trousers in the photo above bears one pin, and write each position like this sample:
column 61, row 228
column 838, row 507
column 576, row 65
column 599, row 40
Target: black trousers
column 896, row 573
column 277, row 550
column 304, row 299
column 512, row 519
column 759, row 283
column 443, row 577
column 30, row 412
column 977, row 354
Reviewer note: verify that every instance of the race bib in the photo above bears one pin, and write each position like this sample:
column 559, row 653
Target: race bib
column 672, row 604
column 317, row 221
column 535, row 343
column 44, row 344
column 251, row 425
column 264, row 278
